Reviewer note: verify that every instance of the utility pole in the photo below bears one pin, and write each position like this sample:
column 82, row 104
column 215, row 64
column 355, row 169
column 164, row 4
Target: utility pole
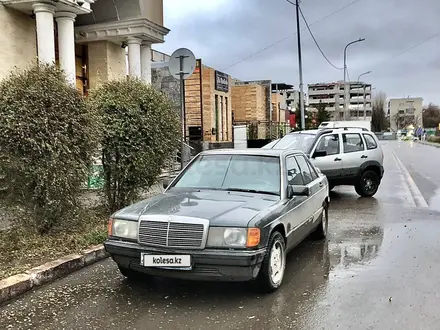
column 301, row 93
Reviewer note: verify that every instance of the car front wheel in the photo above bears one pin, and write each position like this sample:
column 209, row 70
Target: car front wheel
column 368, row 184
column 274, row 264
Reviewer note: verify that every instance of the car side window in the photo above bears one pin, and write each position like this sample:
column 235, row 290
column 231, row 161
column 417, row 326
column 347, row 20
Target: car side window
column 369, row 140
column 305, row 170
column 330, row 144
column 312, row 171
column 294, row 177
column 352, row 142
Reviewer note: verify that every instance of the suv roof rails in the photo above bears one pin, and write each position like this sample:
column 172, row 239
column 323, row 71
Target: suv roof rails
column 351, row 127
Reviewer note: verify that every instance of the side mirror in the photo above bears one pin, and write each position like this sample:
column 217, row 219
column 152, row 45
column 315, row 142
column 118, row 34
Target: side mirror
column 297, row 191
column 319, row 153
column 165, row 183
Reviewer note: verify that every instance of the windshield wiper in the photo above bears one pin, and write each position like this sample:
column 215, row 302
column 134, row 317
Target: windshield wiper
column 253, row 191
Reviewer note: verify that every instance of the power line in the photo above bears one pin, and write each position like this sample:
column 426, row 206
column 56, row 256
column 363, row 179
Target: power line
column 292, row 35
column 316, row 42
column 411, row 48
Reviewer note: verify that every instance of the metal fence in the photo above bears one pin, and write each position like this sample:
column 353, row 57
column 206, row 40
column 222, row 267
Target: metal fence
column 264, row 130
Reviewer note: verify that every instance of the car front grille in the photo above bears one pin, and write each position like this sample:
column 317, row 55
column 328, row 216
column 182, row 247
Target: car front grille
column 172, row 234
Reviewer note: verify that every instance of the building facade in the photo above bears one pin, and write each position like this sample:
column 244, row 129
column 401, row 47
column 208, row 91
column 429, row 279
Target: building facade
column 352, row 101
column 404, row 112
column 88, row 38
column 208, row 100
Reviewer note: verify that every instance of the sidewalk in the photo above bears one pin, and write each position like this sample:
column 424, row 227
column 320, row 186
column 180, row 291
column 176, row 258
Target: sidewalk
column 432, row 144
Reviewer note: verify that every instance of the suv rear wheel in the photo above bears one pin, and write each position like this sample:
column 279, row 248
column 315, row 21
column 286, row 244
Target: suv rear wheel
column 368, row 184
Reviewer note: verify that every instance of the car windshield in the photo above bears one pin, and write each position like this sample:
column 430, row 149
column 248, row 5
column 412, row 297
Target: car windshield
column 251, row 173
column 295, row 141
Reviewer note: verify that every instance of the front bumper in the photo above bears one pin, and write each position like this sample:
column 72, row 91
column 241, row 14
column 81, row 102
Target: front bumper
column 208, row 264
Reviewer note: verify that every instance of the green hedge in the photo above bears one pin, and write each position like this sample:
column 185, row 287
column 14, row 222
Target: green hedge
column 47, row 136
column 140, row 132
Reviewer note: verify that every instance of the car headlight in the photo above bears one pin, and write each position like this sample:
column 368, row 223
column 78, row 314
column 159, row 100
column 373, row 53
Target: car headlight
column 124, row 229
column 233, row 237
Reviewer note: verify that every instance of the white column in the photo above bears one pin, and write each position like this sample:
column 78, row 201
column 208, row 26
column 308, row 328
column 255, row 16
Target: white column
column 146, row 62
column 134, row 56
column 45, row 32
column 66, row 44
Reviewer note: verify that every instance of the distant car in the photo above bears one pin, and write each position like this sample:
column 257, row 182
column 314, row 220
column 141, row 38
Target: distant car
column 230, row 215
column 357, row 161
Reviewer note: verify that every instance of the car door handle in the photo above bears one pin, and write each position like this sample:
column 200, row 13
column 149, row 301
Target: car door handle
column 363, row 156
column 321, row 184
column 337, row 159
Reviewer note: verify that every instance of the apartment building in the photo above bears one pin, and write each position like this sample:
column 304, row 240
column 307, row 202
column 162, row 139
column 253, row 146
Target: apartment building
column 350, row 102
column 88, row 39
column 404, row 112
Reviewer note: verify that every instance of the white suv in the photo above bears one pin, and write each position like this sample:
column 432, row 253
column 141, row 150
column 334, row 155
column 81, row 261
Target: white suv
column 347, row 156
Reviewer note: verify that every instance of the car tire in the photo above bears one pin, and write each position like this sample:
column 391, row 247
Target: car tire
column 275, row 257
column 368, row 184
column 322, row 229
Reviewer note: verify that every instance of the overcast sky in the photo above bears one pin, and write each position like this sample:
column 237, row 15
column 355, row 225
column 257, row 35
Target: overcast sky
column 224, row 32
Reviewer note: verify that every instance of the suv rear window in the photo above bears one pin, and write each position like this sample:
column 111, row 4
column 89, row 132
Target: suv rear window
column 369, row 140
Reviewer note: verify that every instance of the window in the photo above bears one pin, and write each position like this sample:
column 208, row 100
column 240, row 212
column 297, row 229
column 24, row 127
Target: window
column 227, row 119
column 300, row 141
column 329, row 143
column 312, row 171
column 294, row 176
column 352, row 142
column 226, row 172
column 216, row 119
column 369, row 140
column 305, row 170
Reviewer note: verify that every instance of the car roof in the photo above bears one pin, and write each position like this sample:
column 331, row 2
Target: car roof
column 252, row 151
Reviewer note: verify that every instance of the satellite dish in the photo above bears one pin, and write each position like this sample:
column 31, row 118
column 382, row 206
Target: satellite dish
column 182, row 60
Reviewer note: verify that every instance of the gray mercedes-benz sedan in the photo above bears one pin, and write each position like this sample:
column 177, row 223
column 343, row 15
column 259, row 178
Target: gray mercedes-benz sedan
column 230, row 215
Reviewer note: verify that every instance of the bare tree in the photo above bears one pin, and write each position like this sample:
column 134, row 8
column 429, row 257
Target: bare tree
column 378, row 118
column 403, row 121
column 431, row 116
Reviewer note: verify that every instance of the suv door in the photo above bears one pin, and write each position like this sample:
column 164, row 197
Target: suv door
column 332, row 164
column 354, row 154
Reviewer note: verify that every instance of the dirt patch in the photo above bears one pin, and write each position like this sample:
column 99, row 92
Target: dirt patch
column 23, row 248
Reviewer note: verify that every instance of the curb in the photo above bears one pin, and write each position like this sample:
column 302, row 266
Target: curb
column 16, row 285
column 426, row 143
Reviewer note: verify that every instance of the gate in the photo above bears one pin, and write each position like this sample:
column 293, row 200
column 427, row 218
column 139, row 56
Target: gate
column 260, row 133
column 240, row 137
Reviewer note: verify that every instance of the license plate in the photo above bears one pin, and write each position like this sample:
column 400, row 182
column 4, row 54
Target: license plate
column 166, row 261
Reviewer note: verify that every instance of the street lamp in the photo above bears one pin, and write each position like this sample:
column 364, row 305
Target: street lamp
column 359, row 78
column 345, row 72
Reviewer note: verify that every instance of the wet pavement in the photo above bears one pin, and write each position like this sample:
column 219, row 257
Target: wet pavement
column 379, row 269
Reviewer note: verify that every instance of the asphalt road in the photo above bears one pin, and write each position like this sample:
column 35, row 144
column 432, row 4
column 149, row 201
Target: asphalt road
column 379, row 269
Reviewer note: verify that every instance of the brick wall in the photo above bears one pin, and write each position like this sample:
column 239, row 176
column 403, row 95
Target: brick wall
column 18, row 38
column 209, row 106
column 249, row 102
